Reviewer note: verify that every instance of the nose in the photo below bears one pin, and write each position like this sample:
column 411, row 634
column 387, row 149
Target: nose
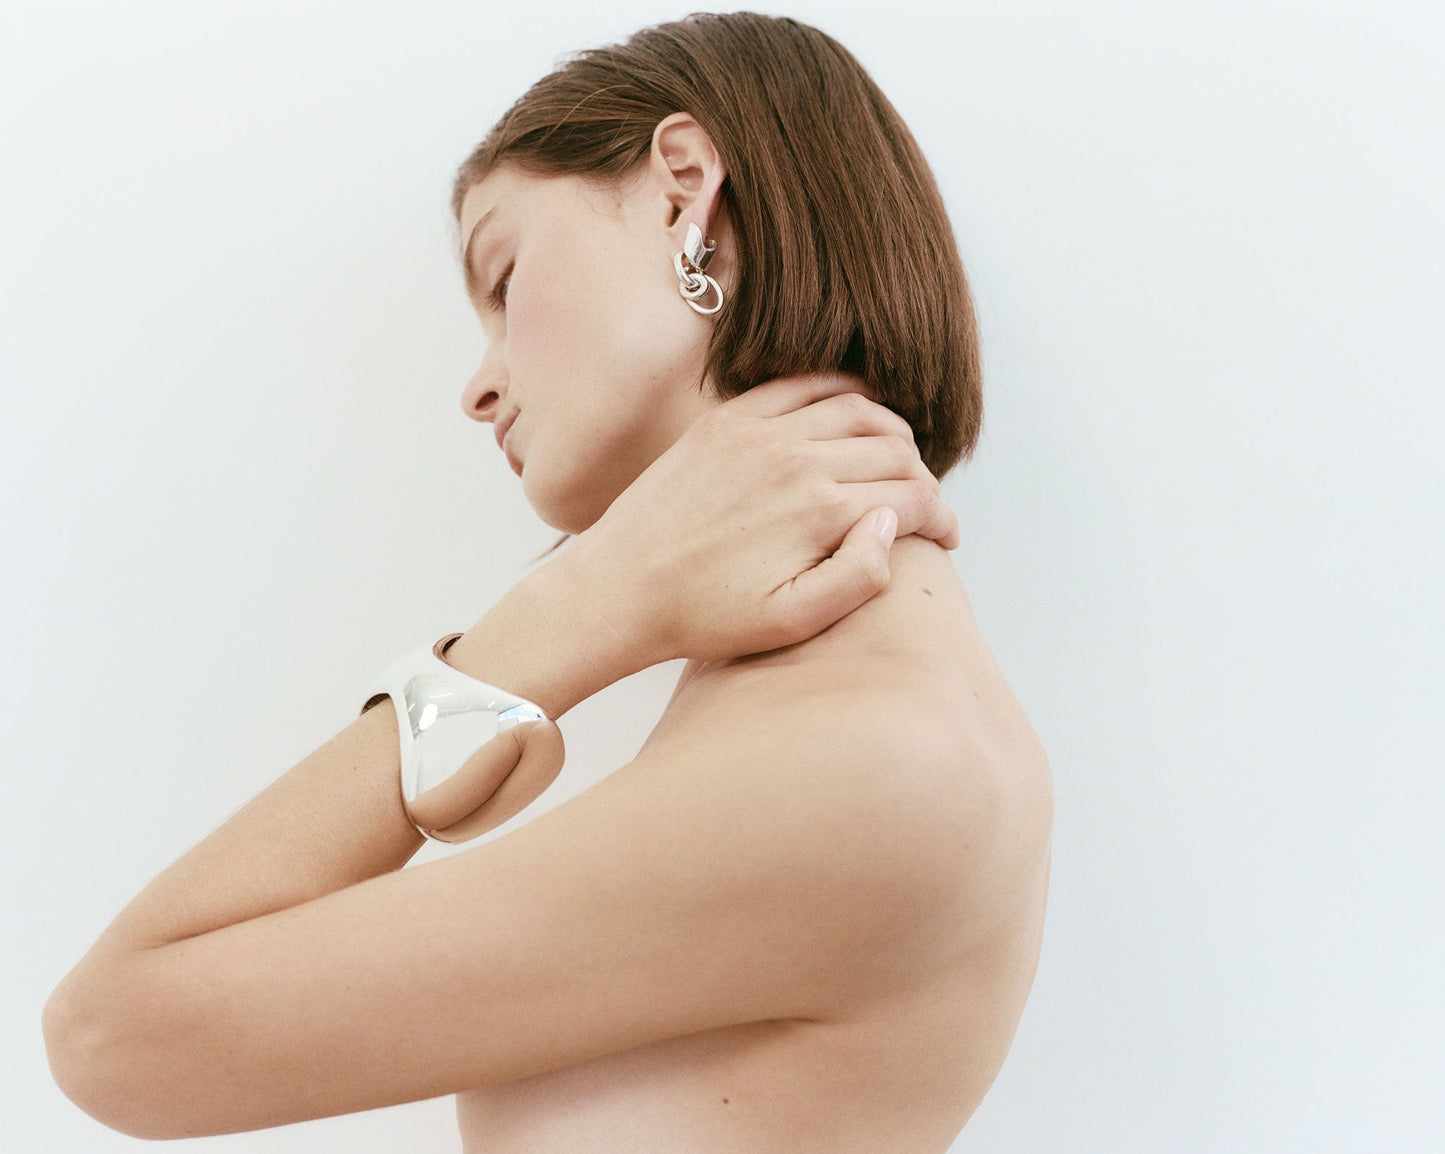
column 484, row 392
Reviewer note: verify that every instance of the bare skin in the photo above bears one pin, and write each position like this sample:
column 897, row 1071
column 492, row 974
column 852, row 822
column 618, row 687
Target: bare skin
column 287, row 968
column 900, row 1061
column 817, row 888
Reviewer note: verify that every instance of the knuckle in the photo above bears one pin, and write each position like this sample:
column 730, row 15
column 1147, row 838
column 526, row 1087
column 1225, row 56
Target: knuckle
column 926, row 476
column 905, row 457
column 894, row 423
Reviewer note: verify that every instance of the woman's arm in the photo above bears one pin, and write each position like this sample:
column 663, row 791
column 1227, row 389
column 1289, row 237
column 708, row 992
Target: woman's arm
column 771, row 871
column 286, row 968
column 336, row 818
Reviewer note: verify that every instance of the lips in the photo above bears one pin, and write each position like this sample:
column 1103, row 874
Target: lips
column 499, row 429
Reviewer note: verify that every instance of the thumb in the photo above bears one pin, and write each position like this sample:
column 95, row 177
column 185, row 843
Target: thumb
column 837, row 585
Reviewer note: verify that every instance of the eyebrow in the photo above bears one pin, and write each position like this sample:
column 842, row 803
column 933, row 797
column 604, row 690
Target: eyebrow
column 473, row 290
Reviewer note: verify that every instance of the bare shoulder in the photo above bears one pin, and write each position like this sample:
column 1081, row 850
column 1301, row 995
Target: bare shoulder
column 911, row 661
column 916, row 726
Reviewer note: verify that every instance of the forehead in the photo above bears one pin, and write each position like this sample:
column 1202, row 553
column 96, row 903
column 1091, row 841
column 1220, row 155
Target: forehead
column 507, row 188
column 503, row 188
column 493, row 190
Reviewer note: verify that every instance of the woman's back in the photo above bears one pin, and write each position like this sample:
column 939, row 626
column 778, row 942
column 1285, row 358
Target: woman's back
column 902, row 1059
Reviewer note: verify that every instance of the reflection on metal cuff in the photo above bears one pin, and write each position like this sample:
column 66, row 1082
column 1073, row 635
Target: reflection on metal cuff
column 456, row 744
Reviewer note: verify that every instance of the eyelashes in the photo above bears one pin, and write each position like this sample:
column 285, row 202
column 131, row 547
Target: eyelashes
column 497, row 298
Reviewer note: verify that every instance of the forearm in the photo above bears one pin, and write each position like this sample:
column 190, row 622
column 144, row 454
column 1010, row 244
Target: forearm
column 550, row 639
column 337, row 818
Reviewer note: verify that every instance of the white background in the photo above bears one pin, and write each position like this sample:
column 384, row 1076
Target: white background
column 1202, row 532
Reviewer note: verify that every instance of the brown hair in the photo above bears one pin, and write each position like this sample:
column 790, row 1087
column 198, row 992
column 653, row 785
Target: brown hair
column 846, row 259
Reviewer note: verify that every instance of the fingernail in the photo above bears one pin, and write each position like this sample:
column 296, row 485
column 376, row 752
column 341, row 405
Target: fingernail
column 885, row 524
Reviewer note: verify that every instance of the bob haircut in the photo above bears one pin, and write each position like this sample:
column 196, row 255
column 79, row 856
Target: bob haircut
column 845, row 258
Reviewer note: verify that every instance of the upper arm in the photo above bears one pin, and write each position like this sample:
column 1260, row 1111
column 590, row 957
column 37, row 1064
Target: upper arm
column 775, row 871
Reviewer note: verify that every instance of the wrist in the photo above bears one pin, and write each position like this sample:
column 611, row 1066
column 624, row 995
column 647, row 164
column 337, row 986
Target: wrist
column 548, row 640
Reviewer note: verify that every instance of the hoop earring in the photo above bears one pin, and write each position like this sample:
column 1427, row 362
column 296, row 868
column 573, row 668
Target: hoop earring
column 693, row 283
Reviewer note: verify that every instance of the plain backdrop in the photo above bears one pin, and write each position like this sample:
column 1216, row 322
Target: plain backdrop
column 1202, row 532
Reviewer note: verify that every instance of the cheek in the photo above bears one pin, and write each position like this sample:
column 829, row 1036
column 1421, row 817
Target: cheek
column 652, row 337
column 537, row 323
column 560, row 358
column 600, row 345
column 556, row 305
column 604, row 305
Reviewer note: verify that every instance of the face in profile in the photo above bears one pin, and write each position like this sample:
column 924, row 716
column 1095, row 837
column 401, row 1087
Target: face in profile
column 593, row 358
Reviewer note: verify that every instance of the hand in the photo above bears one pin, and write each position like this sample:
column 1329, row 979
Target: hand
column 752, row 531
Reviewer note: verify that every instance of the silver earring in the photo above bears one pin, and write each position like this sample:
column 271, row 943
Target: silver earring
column 693, row 283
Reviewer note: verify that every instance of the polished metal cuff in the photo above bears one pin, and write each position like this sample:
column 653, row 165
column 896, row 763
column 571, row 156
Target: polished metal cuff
column 443, row 718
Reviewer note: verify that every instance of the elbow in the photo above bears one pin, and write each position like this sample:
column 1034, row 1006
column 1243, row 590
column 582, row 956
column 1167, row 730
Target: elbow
column 95, row 1064
column 77, row 1048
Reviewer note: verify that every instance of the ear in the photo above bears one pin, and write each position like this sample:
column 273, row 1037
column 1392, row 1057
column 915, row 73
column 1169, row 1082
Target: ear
column 688, row 171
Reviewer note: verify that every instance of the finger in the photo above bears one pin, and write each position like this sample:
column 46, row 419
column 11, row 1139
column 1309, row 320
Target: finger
column 837, row 585
column 784, row 394
column 953, row 537
column 856, row 459
column 845, row 415
column 920, row 508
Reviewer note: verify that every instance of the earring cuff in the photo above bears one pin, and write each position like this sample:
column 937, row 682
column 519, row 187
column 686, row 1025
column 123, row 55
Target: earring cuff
column 693, row 283
column 695, row 250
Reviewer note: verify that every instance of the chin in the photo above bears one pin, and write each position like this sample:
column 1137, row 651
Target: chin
column 573, row 499
column 572, row 525
column 568, row 513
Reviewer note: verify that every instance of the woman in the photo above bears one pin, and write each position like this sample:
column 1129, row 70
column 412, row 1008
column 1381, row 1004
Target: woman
column 807, row 914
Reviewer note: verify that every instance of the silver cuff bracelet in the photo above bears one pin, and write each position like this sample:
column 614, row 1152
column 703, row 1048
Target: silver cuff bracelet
column 449, row 723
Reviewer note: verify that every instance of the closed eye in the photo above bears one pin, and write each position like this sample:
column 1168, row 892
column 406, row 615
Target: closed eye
column 497, row 298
